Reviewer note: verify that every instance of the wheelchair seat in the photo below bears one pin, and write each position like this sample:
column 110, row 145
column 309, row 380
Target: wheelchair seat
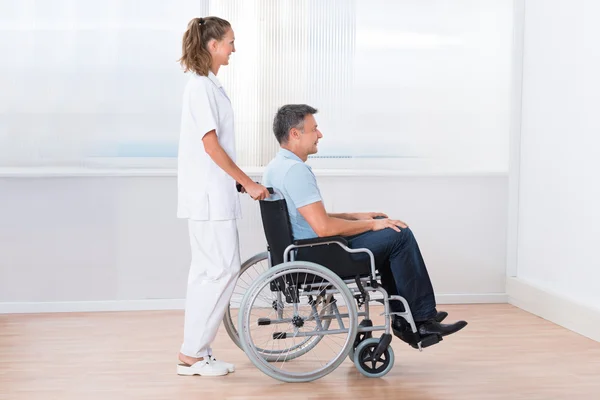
column 329, row 251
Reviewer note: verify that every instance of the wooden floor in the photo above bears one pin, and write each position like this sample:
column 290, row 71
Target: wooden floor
column 504, row 353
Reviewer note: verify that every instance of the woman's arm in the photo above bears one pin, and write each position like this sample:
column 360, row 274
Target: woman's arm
column 219, row 156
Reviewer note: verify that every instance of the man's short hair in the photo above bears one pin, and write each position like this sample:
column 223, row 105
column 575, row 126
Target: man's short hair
column 288, row 117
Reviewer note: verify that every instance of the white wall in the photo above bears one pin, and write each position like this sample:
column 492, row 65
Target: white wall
column 559, row 194
column 436, row 102
column 98, row 243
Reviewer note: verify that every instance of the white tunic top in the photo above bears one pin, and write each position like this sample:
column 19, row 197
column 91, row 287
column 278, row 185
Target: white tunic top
column 205, row 191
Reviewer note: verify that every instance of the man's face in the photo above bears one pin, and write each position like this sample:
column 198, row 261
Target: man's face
column 310, row 138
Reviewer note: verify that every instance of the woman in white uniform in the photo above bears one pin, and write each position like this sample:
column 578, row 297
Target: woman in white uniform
column 207, row 195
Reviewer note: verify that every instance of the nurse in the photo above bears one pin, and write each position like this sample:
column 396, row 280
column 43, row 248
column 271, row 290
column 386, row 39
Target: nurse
column 207, row 195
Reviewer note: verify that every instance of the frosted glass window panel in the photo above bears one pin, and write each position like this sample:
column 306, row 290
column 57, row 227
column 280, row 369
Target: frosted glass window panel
column 431, row 89
column 84, row 79
column 288, row 51
column 408, row 85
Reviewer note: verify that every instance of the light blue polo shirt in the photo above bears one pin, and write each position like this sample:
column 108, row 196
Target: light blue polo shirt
column 294, row 179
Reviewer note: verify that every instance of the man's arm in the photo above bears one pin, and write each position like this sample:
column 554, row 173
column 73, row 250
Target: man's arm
column 326, row 225
column 358, row 216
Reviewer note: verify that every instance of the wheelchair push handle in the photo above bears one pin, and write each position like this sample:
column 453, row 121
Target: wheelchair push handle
column 238, row 186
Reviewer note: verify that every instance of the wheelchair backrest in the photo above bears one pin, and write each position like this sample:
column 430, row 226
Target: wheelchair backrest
column 277, row 226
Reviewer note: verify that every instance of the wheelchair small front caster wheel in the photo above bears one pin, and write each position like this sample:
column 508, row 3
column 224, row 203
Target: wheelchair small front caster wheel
column 365, row 362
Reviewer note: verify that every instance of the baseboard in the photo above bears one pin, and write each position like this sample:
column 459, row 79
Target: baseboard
column 471, row 298
column 92, row 306
column 178, row 304
column 553, row 307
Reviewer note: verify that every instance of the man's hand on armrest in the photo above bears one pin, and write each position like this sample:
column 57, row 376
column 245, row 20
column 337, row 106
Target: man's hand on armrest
column 326, row 225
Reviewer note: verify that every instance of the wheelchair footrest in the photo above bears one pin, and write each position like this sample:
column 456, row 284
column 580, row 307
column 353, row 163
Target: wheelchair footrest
column 279, row 335
column 264, row 321
column 429, row 340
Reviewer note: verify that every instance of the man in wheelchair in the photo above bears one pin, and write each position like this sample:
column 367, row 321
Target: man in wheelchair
column 397, row 255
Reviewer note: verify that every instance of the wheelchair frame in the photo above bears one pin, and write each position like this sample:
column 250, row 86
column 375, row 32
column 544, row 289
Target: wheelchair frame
column 360, row 295
column 372, row 285
column 359, row 343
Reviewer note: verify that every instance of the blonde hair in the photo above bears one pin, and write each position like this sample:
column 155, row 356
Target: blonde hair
column 195, row 56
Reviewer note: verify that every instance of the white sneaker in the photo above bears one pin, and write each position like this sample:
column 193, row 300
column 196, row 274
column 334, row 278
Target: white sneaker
column 203, row 368
column 228, row 366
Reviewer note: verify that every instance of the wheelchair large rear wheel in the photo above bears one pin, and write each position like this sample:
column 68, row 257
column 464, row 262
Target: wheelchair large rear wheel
column 249, row 272
column 314, row 328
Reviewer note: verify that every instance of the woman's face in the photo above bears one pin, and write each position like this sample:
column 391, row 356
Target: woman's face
column 220, row 50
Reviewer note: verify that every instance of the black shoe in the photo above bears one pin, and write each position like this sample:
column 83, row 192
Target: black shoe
column 432, row 327
column 428, row 332
column 403, row 331
column 440, row 316
column 399, row 322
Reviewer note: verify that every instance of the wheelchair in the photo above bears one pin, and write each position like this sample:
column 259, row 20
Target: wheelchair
column 299, row 303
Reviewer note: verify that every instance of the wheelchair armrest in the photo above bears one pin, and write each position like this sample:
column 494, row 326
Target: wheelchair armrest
column 320, row 240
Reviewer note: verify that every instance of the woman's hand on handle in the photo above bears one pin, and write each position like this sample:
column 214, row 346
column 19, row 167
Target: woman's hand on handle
column 257, row 191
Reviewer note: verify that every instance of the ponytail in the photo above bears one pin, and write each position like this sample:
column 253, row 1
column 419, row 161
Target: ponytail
column 195, row 56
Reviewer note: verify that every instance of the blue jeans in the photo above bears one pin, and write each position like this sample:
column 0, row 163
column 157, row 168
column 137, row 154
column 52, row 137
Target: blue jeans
column 403, row 272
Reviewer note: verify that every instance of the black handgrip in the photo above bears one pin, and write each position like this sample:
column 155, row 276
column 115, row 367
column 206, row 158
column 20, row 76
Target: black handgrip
column 238, row 186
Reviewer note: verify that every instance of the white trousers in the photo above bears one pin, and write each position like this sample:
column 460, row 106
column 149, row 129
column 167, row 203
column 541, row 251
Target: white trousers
column 212, row 278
